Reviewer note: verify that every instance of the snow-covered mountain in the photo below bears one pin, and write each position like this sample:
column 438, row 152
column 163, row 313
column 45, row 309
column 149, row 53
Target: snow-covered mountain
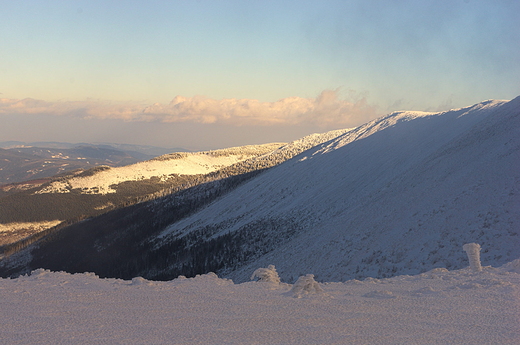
column 88, row 193
column 396, row 195
column 29, row 208
column 163, row 167
column 249, row 157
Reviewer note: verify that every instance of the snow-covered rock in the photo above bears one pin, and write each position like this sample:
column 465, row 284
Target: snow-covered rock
column 268, row 275
column 305, row 285
column 473, row 252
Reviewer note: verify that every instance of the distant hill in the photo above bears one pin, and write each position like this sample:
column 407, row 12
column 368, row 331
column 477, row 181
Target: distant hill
column 32, row 206
column 149, row 151
column 21, row 161
column 44, row 210
column 25, row 163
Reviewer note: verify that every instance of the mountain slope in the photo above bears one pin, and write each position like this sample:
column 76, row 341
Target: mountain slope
column 184, row 193
column 397, row 195
column 84, row 194
column 163, row 167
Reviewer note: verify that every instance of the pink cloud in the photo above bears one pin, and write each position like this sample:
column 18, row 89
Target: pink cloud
column 326, row 110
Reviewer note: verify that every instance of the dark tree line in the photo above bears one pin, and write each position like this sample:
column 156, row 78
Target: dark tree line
column 120, row 243
column 115, row 240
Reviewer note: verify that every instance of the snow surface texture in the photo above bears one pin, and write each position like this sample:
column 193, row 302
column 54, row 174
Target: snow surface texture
column 163, row 167
column 398, row 195
column 436, row 307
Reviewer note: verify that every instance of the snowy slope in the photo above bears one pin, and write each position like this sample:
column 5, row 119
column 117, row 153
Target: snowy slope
column 161, row 167
column 284, row 153
column 435, row 307
column 152, row 179
column 12, row 232
column 396, row 195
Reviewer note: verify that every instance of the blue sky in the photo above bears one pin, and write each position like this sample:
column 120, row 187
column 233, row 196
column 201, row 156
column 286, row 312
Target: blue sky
column 103, row 64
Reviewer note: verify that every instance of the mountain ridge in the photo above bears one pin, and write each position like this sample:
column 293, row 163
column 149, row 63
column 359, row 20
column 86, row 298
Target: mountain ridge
column 308, row 208
column 21, row 216
column 397, row 195
column 163, row 167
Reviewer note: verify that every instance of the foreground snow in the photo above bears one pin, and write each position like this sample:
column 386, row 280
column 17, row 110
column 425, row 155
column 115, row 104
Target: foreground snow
column 436, row 307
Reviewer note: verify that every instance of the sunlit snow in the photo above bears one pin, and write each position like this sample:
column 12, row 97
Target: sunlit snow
column 12, row 232
column 178, row 163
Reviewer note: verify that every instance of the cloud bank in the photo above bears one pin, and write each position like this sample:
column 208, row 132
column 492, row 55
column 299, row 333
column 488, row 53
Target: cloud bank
column 324, row 111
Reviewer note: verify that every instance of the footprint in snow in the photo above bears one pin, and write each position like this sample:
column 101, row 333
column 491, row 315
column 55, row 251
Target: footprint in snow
column 379, row 294
column 428, row 290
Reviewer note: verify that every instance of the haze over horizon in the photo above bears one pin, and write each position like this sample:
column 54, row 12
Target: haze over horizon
column 206, row 75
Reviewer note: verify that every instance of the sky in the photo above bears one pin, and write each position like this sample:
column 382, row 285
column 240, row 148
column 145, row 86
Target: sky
column 213, row 74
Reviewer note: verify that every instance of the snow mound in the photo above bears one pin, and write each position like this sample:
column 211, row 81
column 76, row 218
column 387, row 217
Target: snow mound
column 380, row 294
column 513, row 266
column 306, row 285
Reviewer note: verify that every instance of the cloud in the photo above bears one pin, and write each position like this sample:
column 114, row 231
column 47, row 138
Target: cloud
column 324, row 111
